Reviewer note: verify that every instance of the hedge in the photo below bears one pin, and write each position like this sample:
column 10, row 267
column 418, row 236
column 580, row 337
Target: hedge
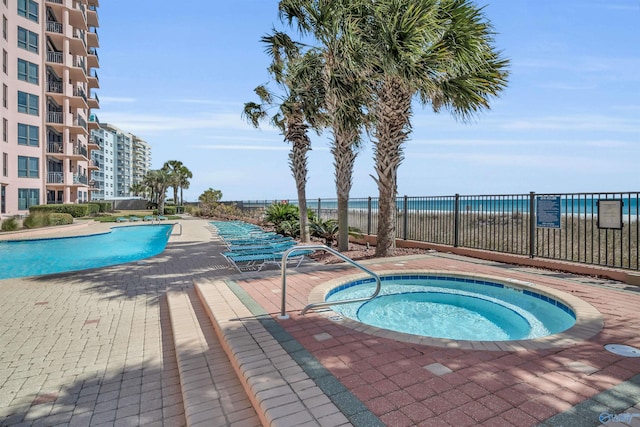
column 76, row 211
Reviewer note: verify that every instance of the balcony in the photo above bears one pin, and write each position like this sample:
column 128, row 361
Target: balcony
column 93, row 60
column 55, row 57
column 55, row 117
column 94, row 101
column 94, row 143
column 55, row 148
column 54, row 86
column 92, row 38
column 81, row 150
column 55, row 178
column 80, row 179
column 94, row 81
column 54, row 27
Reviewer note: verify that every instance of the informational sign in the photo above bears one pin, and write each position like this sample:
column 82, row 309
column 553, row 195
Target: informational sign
column 548, row 211
column 610, row 214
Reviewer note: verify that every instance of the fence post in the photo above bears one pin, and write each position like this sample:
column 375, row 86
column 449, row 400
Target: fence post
column 369, row 217
column 532, row 224
column 456, row 221
column 405, row 221
column 319, row 207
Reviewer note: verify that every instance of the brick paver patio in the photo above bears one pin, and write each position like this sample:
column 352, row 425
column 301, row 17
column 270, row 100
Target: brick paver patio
column 96, row 348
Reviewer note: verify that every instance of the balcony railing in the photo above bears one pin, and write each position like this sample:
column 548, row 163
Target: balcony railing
column 78, row 34
column 81, row 150
column 79, row 121
column 55, row 117
column 80, row 179
column 55, row 1
column 78, row 61
column 54, row 27
column 55, row 178
column 56, row 57
column 78, row 91
column 53, row 147
column 54, row 86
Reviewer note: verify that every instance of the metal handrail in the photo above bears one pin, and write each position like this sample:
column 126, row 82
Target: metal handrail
column 285, row 256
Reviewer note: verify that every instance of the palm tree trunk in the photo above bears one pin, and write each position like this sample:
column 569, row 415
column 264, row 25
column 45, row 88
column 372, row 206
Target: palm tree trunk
column 393, row 113
column 344, row 157
column 297, row 134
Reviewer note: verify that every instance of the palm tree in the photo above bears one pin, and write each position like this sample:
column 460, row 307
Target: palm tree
column 159, row 180
column 297, row 108
column 185, row 175
column 439, row 52
column 138, row 189
column 173, row 167
column 331, row 23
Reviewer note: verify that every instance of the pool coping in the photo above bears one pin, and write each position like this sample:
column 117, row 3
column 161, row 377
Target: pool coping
column 589, row 321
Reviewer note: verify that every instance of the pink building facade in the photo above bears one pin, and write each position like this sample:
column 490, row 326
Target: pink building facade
column 48, row 75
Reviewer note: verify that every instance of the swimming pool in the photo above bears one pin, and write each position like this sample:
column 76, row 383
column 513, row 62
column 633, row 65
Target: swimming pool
column 24, row 258
column 455, row 307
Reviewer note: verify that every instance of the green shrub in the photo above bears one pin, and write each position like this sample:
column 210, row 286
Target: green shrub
column 60, row 219
column 169, row 210
column 36, row 220
column 9, row 224
column 76, row 211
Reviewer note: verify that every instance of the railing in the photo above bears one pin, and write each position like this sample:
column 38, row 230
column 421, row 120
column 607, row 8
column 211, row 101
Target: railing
column 54, row 27
column 55, row 117
column 78, row 91
column 53, row 147
column 55, row 178
column 53, row 56
column 80, row 179
column 299, row 248
column 54, row 87
column 503, row 223
column 55, row 1
column 80, row 150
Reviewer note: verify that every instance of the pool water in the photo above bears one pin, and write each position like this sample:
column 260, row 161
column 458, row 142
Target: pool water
column 446, row 307
column 26, row 258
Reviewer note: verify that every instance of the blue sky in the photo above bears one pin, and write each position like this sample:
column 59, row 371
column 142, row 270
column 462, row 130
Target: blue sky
column 569, row 120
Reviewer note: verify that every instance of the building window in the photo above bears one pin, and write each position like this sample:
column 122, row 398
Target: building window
column 27, row 40
column 5, row 164
column 5, row 95
column 28, row 103
column 28, row 9
column 28, row 197
column 27, row 71
column 5, row 61
column 28, row 167
column 28, row 135
column 5, row 130
column 5, row 25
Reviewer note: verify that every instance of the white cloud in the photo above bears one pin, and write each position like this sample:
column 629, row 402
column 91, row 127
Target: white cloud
column 115, row 99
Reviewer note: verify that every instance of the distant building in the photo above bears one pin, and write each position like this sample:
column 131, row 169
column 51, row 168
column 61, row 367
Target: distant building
column 123, row 161
column 48, row 75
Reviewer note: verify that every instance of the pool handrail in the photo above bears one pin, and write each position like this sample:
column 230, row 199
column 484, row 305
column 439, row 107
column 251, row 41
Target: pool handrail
column 283, row 313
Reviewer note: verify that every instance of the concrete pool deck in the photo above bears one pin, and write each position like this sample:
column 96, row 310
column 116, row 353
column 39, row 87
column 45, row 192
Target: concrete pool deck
column 147, row 343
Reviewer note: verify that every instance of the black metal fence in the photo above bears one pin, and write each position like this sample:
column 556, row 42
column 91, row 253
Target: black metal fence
column 590, row 228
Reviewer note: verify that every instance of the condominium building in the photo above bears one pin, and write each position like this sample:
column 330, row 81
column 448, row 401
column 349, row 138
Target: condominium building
column 48, row 77
column 123, row 160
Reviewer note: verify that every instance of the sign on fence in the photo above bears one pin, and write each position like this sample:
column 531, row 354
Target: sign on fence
column 610, row 214
column 548, row 211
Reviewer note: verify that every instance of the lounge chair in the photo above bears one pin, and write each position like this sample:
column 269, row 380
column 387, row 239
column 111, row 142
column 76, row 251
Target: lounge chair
column 148, row 218
column 122, row 219
column 257, row 261
column 134, row 218
column 162, row 218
